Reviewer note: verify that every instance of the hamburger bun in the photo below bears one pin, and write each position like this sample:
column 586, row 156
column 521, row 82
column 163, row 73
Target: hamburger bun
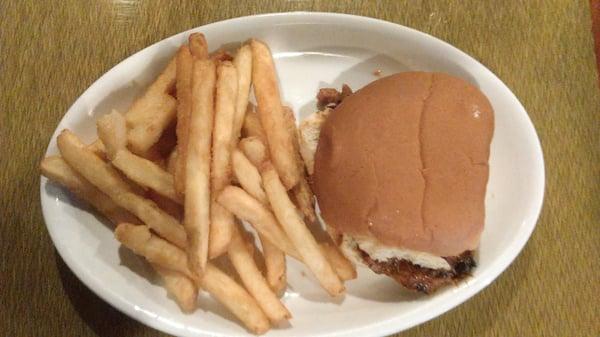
column 403, row 163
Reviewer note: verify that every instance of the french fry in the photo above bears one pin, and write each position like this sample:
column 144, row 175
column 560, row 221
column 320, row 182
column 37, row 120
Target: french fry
column 298, row 233
column 197, row 187
column 221, row 219
column 198, row 46
column 112, row 133
column 235, row 298
column 246, row 208
column 271, row 114
column 275, row 265
column 182, row 288
column 221, row 55
column 254, row 149
column 302, row 193
column 169, row 206
column 243, row 65
column 56, row 169
column 152, row 113
column 185, row 64
column 253, row 280
column 251, row 126
column 152, row 248
column 342, row 266
column 108, row 180
column 98, row 148
column 248, row 176
column 146, row 173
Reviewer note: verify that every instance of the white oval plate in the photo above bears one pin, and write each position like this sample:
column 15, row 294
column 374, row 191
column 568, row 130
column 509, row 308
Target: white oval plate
column 312, row 50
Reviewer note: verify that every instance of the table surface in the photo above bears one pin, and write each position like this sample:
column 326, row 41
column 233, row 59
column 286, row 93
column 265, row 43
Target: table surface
column 51, row 51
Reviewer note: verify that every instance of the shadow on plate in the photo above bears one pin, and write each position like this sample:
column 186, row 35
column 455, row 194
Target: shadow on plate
column 98, row 315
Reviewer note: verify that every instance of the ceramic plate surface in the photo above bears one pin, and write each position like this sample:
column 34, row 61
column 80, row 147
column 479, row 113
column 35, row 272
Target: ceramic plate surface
column 311, row 50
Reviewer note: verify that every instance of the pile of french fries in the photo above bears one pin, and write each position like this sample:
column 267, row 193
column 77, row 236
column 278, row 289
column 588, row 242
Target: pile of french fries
column 188, row 164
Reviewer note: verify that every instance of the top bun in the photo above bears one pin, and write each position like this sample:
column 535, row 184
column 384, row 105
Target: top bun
column 404, row 160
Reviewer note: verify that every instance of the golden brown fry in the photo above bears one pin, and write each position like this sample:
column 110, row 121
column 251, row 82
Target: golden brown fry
column 56, row 169
column 146, row 173
column 185, row 64
column 169, row 206
column 108, row 180
column 271, row 114
column 243, row 65
column 251, row 210
column 275, row 266
column 112, row 131
column 342, row 266
column 221, row 220
column 302, row 193
column 251, row 126
column 156, row 250
column 253, row 280
column 181, row 287
column 98, row 148
column 298, row 233
column 198, row 46
column 197, row 187
column 248, row 176
column 152, row 113
column 254, row 149
column 304, row 199
column 235, row 298
column 221, row 55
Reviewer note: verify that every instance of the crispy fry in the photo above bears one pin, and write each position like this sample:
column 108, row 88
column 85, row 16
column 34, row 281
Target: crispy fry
column 221, row 219
column 302, row 193
column 254, row 149
column 235, row 298
column 251, row 126
column 108, row 180
column 146, row 173
column 271, row 114
column 152, row 113
column 298, row 233
column 98, row 148
column 221, row 55
column 181, row 287
column 56, row 169
column 342, row 266
column 169, row 206
column 153, row 248
column 197, row 187
column 251, row 210
column 112, row 131
column 243, row 65
column 198, row 46
column 185, row 64
column 253, row 280
column 248, row 176
column 304, row 199
column 275, row 266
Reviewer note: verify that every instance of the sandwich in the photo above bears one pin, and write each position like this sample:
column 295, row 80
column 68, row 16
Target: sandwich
column 399, row 169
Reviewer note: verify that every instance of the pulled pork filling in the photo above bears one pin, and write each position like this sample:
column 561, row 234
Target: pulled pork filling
column 419, row 278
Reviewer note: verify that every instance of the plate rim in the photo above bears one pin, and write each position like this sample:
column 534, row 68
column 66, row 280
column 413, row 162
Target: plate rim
column 384, row 327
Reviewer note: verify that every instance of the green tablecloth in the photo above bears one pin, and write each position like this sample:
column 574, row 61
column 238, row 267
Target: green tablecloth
column 51, row 51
